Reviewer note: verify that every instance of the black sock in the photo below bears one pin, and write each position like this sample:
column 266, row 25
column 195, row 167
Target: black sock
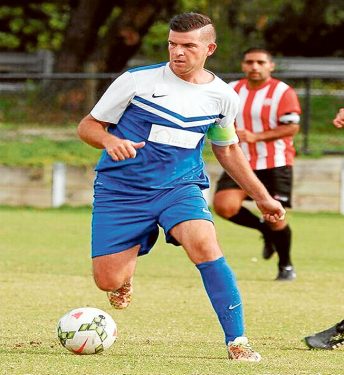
column 282, row 241
column 247, row 219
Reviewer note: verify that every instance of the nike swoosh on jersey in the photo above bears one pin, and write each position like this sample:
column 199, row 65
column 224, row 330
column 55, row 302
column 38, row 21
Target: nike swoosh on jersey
column 158, row 96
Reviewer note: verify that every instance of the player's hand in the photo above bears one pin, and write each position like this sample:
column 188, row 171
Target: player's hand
column 338, row 122
column 246, row 136
column 121, row 149
column 272, row 210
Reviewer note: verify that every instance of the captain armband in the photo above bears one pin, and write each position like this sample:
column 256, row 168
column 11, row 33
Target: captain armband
column 222, row 136
column 289, row 118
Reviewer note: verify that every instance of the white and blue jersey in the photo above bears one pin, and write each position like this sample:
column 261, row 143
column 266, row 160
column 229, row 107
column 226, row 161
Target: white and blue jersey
column 172, row 116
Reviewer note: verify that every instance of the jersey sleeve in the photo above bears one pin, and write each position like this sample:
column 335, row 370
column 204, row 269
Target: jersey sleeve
column 289, row 103
column 222, row 133
column 115, row 100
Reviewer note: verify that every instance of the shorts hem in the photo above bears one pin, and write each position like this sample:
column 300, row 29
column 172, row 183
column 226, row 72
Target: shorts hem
column 171, row 239
column 118, row 250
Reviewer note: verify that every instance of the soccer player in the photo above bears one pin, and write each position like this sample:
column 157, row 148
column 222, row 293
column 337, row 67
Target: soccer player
column 151, row 124
column 332, row 337
column 268, row 118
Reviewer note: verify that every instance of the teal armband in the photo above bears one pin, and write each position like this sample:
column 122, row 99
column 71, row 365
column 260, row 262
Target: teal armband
column 219, row 135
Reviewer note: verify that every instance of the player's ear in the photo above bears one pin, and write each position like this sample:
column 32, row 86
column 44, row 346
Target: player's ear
column 272, row 66
column 211, row 48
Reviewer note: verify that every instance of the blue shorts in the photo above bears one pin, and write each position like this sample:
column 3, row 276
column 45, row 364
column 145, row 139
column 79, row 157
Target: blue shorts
column 125, row 218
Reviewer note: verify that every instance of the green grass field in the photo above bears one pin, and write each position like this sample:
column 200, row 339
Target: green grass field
column 170, row 327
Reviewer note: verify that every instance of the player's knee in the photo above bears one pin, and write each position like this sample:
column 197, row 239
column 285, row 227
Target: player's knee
column 205, row 251
column 223, row 209
column 206, row 255
column 108, row 283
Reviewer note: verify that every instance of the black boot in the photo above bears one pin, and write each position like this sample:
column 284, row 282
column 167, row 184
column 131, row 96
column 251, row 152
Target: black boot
column 329, row 339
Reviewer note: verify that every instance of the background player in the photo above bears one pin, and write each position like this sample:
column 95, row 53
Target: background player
column 267, row 120
column 151, row 123
column 332, row 337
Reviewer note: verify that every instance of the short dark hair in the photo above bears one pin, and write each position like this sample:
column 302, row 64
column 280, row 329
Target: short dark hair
column 189, row 21
column 257, row 49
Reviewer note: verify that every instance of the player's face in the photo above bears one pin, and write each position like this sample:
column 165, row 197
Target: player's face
column 258, row 67
column 188, row 53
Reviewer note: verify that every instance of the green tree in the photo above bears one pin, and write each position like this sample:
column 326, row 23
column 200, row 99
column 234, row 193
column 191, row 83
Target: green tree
column 28, row 26
column 106, row 34
column 313, row 28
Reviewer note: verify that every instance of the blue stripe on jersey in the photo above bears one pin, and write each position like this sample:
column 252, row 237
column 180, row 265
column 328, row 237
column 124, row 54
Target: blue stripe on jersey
column 137, row 69
column 131, row 115
column 174, row 114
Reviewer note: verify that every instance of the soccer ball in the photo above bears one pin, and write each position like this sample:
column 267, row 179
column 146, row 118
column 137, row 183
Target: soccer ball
column 86, row 330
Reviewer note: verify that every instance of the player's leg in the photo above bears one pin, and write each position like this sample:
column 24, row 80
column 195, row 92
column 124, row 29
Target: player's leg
column 199, row 240
column 114, row 273
column 187, row 220
column 111, row 271
column 278, row 182
column 113, row 265
column 122, row 229
column 227, row 203
column 281, row 236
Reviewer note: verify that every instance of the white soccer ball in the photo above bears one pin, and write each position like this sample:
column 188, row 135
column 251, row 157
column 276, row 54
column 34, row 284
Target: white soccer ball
column 86, row 330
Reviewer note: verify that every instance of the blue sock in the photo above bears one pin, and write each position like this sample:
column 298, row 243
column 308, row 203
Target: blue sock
column 220, row 284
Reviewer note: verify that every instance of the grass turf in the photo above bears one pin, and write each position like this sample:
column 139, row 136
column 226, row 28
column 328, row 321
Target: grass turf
column 170, row 327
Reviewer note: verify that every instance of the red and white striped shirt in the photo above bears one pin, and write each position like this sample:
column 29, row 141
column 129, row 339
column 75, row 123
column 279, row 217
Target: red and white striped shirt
column 259, row 110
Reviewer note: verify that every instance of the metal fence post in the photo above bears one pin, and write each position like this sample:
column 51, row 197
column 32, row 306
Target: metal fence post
column 306, row 117
column 91, row 87
column 58, row 196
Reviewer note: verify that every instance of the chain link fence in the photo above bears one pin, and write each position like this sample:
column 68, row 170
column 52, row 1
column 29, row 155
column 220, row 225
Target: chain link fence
column 56, row 100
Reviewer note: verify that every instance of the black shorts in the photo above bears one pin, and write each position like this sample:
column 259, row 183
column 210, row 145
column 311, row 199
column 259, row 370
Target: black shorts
column 278, row 181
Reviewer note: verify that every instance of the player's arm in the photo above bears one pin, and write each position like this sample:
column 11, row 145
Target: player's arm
column 280, row 131
column 230, row 156
column 338, row 121
column 94, row 133
column 236, row 165
column 288, row 119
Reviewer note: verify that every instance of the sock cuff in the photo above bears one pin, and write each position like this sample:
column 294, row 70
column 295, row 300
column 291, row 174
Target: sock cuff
column 204, row 265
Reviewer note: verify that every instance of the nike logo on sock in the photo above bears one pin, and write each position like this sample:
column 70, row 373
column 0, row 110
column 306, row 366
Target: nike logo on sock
column 231, row 307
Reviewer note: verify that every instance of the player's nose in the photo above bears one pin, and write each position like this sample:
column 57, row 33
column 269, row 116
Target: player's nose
column 179, row 51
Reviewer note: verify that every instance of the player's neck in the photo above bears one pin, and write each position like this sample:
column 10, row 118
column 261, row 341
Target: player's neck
column 203, row 77
column 253, row 84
